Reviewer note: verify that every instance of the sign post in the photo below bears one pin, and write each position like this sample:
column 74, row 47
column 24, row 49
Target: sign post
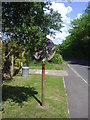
column 45, row 55
column 43, row 79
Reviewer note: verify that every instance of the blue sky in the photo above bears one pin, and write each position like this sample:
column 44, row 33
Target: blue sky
column 68, row 11
column 78, row 7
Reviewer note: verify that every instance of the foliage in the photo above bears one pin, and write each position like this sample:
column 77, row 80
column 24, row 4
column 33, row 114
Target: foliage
column 77, row 43
column 26, row 24
column 30, row 25
column 58, row 49
column 10, row 48
column 57, row 59
column 49, row 65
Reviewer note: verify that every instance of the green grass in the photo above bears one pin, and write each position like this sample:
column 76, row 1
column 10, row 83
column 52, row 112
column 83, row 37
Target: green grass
column 38, row 65
column 22, row 97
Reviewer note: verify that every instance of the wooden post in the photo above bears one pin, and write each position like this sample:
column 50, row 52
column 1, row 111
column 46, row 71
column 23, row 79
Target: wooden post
column 43, row 79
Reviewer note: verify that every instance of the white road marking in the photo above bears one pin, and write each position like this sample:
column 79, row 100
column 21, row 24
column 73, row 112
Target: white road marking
column 78, row 75
column 66, row 96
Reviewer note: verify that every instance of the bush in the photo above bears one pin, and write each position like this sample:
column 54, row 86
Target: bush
column 57, row 59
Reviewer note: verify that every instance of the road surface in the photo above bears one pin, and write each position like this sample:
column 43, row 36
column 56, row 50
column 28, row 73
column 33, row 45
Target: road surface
column 81, row 68
column 77, row 89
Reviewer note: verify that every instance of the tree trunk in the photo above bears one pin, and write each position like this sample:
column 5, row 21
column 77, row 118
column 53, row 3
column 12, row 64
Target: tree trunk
column 12, row 66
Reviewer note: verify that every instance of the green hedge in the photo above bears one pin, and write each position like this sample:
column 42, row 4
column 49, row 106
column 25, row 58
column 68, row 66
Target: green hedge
column 57, row 59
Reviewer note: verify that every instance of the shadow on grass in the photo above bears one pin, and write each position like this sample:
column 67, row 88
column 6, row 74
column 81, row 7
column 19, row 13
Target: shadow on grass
column 18, row 94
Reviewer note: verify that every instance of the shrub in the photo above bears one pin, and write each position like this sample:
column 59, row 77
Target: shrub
column 57, row 59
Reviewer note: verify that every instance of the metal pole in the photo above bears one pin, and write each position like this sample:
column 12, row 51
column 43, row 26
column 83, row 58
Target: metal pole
column 43, row 79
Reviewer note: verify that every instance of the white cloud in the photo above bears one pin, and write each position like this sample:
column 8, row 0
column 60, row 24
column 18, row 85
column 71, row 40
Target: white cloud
column 64, row 28
column 66, row 19
column 78, row 15
column 60, row 7
column 58, row 37
column 58, row 41
column 0, row 34
column 63, row 10
column 50, row 37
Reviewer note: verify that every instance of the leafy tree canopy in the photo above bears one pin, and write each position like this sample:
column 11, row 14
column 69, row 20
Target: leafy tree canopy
column 77, row 43
column 27, row 25
column 27, row 22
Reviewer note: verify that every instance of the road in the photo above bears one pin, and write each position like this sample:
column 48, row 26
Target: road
column 77, row 89
column 81, row 68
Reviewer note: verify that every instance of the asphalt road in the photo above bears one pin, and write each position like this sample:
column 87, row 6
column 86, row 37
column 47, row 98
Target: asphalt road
column 77, row 89
column 81, row 68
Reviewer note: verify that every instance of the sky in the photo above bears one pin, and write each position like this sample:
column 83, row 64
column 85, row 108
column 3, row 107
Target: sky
column 69, row 11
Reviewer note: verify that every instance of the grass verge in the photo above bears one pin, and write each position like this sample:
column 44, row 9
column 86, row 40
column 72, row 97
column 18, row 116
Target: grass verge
column 22, row 97
column 48, row 66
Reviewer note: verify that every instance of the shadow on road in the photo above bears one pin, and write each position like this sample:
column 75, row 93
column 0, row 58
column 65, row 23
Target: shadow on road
column 79, row 62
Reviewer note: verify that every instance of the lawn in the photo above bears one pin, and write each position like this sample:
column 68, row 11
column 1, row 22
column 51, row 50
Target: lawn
column 22, row 98
column 48, row 65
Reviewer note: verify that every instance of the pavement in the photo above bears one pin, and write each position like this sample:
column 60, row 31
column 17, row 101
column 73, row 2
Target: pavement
column 77, row 90
column 49, row 72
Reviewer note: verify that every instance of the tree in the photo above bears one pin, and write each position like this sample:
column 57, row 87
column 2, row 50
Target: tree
column 11, row 57
column 27, row 25
column 25, row 22
column 77, row 43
